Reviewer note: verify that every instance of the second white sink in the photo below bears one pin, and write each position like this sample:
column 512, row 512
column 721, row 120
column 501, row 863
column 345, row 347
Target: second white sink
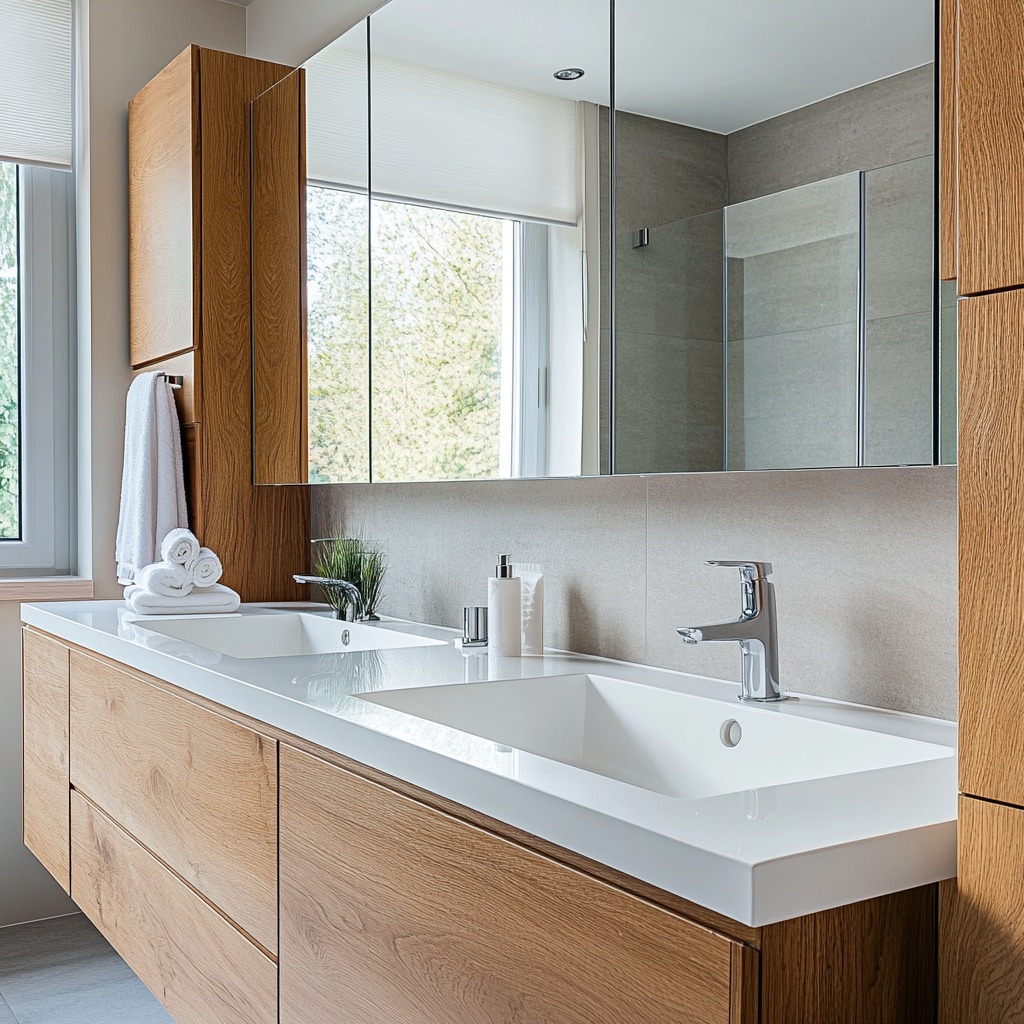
column 283, row 636
column 661, row 740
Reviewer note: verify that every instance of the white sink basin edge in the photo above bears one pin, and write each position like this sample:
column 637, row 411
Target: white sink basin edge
column 664, row 741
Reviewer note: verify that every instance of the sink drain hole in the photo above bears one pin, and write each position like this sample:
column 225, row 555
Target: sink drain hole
column 731, row 732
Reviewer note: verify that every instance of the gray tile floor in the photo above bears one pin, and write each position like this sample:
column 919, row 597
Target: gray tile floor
column 64, row 972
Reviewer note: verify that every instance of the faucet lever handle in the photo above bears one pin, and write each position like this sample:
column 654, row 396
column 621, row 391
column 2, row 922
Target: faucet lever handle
column 750, row 571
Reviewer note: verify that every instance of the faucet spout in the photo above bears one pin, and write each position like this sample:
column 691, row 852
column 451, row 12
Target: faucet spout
column 349, row 589
column 755, row 631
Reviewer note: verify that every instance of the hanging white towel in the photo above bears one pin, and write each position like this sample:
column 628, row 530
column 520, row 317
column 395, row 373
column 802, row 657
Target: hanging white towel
column 152, row 480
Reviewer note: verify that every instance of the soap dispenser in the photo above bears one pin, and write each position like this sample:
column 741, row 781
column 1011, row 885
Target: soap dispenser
column 505, row 611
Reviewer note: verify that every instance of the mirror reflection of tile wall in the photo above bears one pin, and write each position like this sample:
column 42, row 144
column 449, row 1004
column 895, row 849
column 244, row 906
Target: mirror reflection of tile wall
column 790, row 378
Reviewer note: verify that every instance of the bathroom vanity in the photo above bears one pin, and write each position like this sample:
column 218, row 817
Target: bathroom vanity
column 551, row 839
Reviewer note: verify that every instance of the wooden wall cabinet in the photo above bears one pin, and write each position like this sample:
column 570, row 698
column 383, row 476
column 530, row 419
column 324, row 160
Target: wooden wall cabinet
column 45, row 710
column 989, row 133
column 190, row 189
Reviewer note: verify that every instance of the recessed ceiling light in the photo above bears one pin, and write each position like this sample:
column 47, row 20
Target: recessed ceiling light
column 569, row 74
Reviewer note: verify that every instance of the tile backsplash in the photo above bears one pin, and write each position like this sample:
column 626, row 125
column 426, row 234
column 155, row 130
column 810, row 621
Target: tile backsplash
column 865, row 567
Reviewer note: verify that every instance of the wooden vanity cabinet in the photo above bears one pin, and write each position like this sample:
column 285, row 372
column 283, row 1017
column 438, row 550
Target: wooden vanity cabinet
column 46, row 717
column 395, row 910
column 190, row 190
column 197, row 790
column 250, row 877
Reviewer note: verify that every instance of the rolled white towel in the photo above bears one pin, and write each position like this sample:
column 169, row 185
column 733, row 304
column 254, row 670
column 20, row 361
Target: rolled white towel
column 205, row 569
column 165, row 579
column 202, row 601
column 179, row 547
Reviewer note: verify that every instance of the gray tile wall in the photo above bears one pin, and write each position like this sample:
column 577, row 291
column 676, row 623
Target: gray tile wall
column 884, row 123
column 865, row 566
column 671, row 180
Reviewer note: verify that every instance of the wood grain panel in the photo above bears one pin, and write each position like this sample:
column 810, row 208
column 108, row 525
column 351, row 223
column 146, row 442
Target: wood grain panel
column 46, row 791
column 991, row 545
column 163, row 209
column 745, row 985
column 397, row 912
column 982, row 936
column 869, row 961
column 280, row 443
column 947, row 139
column 261, row 534
column 990, row 145
column 197, row 790
column 189, row 957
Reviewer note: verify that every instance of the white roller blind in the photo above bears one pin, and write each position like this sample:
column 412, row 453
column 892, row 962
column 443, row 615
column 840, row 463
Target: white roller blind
column 35, row 82
column 337, row 130
column 445, row 139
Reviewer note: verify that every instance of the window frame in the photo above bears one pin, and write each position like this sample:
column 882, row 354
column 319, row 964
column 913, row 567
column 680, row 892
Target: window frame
column 46, row 271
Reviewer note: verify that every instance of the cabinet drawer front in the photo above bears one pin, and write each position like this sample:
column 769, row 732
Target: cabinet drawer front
column 46, row 720
column 398, row 912
column 197, row 790
column 199, row 966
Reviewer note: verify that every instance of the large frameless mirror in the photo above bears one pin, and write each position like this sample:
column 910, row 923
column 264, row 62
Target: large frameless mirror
column 528, row 246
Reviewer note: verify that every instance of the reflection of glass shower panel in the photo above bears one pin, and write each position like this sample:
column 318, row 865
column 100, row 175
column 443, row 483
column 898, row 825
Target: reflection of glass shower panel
column 792, row 327
column 899, row 295
column 668, row 353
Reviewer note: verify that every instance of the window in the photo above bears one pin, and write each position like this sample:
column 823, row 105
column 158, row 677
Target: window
column 468, row 313
column 36, row 310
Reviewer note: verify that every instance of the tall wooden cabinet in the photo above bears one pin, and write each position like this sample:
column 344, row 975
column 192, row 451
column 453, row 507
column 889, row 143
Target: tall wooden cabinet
column 982, row 237
column 189, row 202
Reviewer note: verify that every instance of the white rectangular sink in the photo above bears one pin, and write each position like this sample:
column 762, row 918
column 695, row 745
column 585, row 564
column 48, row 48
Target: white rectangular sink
column 661, row 740
column 283, row 636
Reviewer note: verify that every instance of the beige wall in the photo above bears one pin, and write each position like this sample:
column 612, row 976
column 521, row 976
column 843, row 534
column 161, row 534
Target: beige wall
column 128, row 41
column 865, row 566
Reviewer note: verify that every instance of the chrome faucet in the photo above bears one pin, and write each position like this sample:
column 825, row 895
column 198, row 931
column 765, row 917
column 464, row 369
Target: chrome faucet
column 350, row 589
column 755, row 631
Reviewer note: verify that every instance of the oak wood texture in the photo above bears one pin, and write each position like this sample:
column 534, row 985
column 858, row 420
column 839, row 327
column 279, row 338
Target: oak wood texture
column 54, row 588
column 164, row 209
column 189, row 957
column 745, row 985
column 982, row 937
column 197, row 790
column 991, row 545
column 398, row 912
column 947, row 139
column 990, row 145
column 868, row 961
column 46, row 790
column 281, row 442
column 260, row 534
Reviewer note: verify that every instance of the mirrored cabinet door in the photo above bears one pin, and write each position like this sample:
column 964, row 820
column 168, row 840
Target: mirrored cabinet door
column 507, row 261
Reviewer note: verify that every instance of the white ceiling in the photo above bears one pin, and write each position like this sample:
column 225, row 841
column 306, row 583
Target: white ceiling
column 714, row 64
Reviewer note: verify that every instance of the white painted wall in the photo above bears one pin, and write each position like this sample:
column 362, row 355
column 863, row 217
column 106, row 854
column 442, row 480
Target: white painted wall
column 291, row 31
column 126, row 42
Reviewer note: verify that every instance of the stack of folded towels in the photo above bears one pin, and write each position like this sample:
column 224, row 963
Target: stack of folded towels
column 184, row 582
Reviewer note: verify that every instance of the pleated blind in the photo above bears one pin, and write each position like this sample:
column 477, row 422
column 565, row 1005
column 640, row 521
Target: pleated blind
column 36, row 82
column 445, row 139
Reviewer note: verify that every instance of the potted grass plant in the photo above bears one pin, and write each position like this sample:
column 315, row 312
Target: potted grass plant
column 356, row 561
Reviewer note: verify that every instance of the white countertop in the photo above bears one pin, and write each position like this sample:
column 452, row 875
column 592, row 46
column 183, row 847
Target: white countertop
column 759, row 856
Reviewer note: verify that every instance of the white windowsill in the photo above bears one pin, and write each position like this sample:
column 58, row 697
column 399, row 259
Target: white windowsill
column 46, row 588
